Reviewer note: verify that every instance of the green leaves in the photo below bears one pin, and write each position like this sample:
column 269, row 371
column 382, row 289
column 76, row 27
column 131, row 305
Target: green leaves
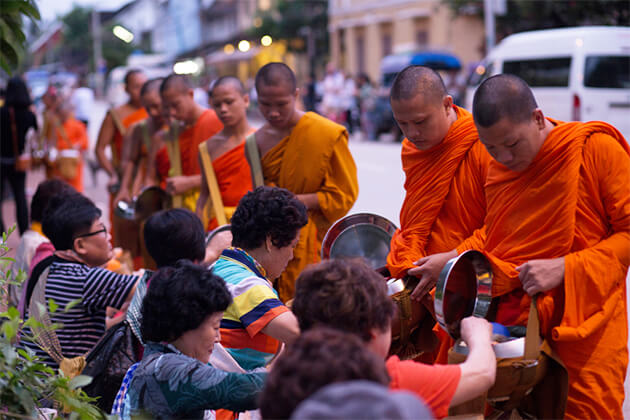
column 12, row 38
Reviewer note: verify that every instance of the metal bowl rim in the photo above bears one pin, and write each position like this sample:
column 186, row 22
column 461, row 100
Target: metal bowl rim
column 341, row 225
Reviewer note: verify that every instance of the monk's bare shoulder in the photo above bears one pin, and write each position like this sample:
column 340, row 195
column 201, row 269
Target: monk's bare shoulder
column 267, row 137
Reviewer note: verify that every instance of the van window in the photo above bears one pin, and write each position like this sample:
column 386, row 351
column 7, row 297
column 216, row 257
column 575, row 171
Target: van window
column 603, row 71
column 542, row 72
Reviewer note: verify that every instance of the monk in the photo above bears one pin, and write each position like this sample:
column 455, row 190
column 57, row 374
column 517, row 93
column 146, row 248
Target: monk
column 115, row 126
column 227, row 148
column 558, row 230
column 445, row 167
column 194, row 125
column 71, row 135
column 308, row 155
column 138, row 142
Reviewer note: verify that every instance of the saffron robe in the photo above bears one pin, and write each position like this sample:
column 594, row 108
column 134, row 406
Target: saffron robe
column 444, row 202
column 76, row 134
column 573, row 201
column 314, row 158
column 117, row 145
column 206, row 126
column 233, row 176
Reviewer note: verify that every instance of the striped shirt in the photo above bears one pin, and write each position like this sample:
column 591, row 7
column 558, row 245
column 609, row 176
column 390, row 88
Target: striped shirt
column 255, row 303
column 84, row 324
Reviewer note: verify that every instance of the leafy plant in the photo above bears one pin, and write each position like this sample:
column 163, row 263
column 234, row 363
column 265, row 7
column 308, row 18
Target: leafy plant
column 24, row 380
column 12, row 38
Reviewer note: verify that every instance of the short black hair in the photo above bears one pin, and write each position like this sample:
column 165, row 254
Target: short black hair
column 346, row 294
column 276, row 74
column 174, row 234
column 46, row 190
column 267, row 211
column 229, row 80
column 503, row 96
column 17, row 93
column 317, row 358
column 179, row 81
column 152, row 85
column 130, row 74
column 66, row 217
column 417, row 80
column 179, row 299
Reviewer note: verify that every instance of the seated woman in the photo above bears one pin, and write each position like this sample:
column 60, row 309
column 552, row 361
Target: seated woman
column 181, row 314
column 265, row 229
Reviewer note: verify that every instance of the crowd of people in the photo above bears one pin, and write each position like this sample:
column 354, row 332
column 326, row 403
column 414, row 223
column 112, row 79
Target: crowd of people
column 250, row 321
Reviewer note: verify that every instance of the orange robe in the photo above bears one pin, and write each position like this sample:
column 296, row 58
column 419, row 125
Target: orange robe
column 572, row 202
column 233, row 176
column 77, row 136
column 117, row 146
column 206, row 126
column 314, row 158
column 444, row 202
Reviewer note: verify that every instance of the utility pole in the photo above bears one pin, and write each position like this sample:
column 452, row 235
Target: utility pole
column 488, row 18
column 98, row 53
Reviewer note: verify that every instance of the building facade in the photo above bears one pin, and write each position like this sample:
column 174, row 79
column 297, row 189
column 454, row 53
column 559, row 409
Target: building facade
column 362, row 32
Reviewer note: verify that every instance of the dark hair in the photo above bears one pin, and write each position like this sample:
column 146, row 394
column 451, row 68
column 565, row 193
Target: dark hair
column 228, row 80
column 179, row 299
column 174, row 234
column 151, row 86
column 180, row 81
column 130, row 73
column 317, row 358
column 267, row 211
column 414, row 80
column 66, row 217
column 276, row 74
column 46, row 190
column 345, row 294
column 503, row 96
column 17, row 93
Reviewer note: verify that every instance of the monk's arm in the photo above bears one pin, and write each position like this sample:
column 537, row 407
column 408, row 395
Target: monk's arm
column 475, row 241
column 340, row 188
column 129, row 157
column 203, row 191
column 151, row 175
column 105, row 138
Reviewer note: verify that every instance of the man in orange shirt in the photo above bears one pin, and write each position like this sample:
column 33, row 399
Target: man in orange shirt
column 308, row 155
column 227, row 148
column 445, row 167
column 71, row 135
column 193, row 125
column 558, row 230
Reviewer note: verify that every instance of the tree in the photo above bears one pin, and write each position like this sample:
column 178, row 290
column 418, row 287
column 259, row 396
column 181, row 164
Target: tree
column 526, row 15
column 12, row 37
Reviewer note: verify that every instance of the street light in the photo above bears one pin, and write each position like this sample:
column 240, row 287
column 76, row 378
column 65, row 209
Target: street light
column 228, row 49
column 266, row 41
column 123, row 34
column 243, row 46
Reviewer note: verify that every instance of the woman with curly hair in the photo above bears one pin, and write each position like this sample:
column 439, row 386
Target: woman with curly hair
column 181, row 314
column 265, row 229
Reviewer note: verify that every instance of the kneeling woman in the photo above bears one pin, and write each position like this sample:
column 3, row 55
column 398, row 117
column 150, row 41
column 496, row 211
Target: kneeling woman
column 181, row 314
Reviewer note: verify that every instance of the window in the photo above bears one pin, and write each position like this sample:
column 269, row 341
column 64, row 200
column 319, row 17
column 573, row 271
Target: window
column 543, row 72
column 422, row 38
column 607, row 72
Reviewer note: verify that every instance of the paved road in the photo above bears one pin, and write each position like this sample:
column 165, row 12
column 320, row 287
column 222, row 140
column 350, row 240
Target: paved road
column 380, row 185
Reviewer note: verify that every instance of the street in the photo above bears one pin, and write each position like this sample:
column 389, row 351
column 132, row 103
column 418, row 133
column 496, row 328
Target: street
column 380, row 185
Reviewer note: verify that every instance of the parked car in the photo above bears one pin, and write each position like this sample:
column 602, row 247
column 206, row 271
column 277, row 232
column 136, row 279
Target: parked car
column 576, row 74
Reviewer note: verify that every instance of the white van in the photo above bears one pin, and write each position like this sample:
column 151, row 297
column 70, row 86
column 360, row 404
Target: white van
column 576, row 74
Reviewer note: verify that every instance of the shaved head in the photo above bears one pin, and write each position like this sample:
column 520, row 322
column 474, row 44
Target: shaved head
column 176, row 81
column 418, row 80
column 276, row 74
column 230, row 81
column 503, row 96
column 132, row 73
column 152, row 85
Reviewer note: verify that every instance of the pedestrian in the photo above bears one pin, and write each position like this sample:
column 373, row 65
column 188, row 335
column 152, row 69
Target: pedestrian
column 72, row 143
column 16, row 119
column 308, row 155
column 83, row 101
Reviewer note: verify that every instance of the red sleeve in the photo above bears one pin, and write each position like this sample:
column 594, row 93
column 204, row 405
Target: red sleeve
column 434, row 384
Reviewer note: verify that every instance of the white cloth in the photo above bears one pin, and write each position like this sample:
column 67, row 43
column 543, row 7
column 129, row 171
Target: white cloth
column 83, row 101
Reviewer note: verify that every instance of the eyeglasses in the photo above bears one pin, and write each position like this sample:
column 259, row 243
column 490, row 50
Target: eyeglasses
column 85, row 235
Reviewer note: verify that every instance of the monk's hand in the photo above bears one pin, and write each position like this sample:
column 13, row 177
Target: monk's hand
column 428, row 271
column 178, row 184
column 541, row 275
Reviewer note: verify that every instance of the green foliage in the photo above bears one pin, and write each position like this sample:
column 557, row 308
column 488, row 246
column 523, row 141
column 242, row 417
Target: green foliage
column 24, row 380
column 526, row 15
column 12, row 38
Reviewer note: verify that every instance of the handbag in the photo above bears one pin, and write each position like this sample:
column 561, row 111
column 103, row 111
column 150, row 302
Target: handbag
column 22, row 160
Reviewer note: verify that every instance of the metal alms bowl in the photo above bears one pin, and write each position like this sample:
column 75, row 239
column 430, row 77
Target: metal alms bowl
column 149, row 201
column 463, row 289
column 364, row 235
